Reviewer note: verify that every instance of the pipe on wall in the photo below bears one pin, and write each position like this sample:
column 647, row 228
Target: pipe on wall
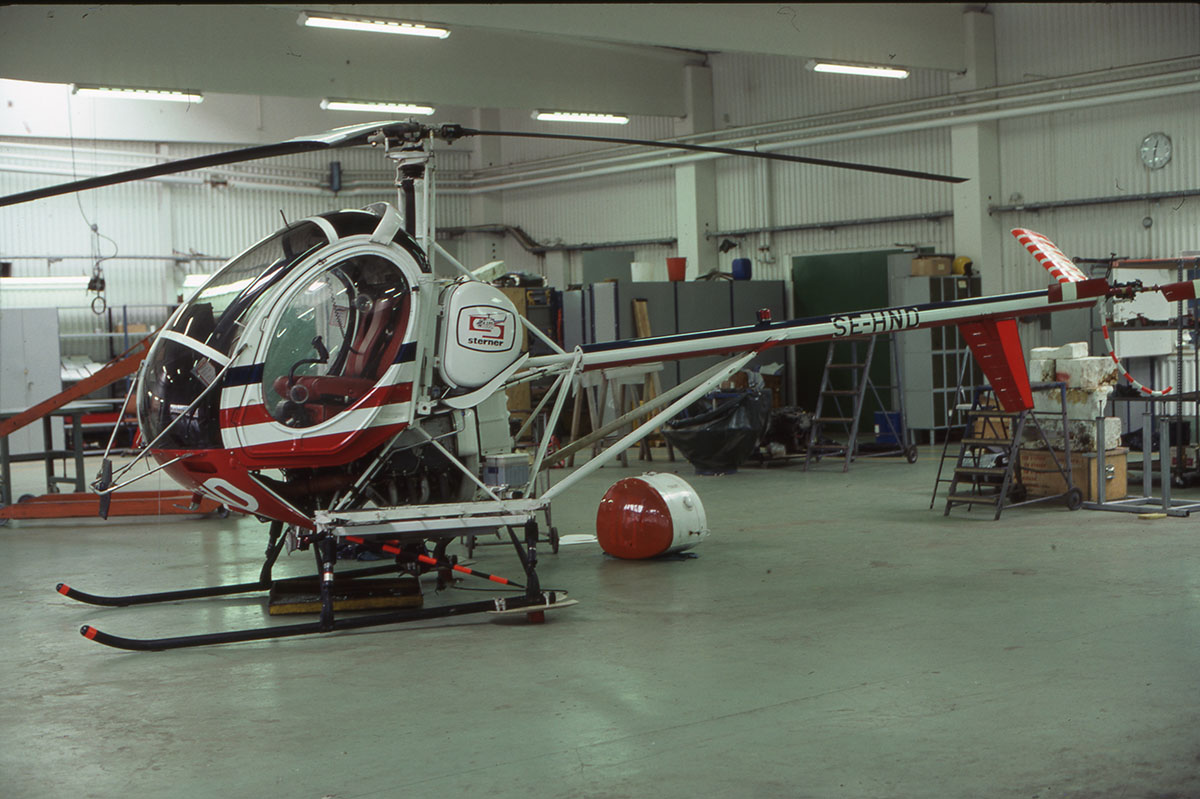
column 529, row 245
column 931, row 216
column 1112, row 200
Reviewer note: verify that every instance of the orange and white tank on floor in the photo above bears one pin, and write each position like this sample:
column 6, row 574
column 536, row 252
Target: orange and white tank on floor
column 655, row 514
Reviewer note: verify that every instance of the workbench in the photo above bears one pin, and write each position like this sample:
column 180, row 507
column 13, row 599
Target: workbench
column 72, row 413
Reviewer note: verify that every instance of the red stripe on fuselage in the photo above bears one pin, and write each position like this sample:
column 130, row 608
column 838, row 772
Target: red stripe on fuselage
column 335, row 449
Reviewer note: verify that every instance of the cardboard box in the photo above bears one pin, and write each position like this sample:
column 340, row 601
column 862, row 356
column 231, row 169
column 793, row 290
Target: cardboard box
column 932, row 266
column 985, row 426
column 1042, row 478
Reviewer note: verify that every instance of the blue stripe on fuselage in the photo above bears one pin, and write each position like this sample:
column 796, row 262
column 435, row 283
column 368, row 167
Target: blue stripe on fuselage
column 253, row 373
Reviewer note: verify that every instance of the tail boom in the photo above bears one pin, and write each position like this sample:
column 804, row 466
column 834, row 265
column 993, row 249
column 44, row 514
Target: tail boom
column 824, row 328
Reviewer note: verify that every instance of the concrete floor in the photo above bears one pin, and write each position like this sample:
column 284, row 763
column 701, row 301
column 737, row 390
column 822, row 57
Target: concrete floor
column 834, row 638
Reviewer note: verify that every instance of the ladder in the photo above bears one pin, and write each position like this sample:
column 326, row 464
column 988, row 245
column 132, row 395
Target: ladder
column 831, row 401
column 955, row 421
column 987, row 469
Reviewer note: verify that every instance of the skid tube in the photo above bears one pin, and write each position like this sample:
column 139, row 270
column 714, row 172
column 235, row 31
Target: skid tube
column 534, row 602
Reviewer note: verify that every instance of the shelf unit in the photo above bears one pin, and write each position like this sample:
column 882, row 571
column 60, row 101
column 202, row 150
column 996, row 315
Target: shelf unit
column 1182, row 321
column 932, row 361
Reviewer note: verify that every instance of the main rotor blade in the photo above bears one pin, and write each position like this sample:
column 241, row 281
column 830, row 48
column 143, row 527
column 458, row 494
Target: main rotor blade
column 165, row 168
column 708, row 148
column 413, row 131
column 339, row 137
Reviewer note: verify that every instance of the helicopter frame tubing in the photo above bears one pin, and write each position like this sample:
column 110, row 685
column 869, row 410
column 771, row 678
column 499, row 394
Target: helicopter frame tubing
column 412, row 527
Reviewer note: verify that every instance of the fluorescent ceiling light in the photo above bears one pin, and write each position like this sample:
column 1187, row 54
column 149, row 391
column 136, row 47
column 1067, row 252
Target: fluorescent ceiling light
column 857, row 69
column 315, row 19
column 576, row 116
column 364, row 105
column 67, row 282
column 170, row 95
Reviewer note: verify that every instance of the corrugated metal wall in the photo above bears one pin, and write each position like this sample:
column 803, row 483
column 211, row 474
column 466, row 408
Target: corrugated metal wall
column 628, row 207
column 182, row 216
column 1057, row 156
column 1093, row 153
column 1038, row 40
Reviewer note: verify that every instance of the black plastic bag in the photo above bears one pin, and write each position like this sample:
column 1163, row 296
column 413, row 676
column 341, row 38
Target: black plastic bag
column 718, row 433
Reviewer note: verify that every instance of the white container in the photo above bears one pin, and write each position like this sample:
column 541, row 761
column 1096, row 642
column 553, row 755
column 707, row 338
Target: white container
column 655, row 514
column 511, row 469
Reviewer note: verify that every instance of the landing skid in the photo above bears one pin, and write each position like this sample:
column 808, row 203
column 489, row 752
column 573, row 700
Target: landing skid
column 534, row 602
column 531, row 605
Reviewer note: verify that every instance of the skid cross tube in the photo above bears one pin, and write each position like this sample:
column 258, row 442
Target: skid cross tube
column 391, row 549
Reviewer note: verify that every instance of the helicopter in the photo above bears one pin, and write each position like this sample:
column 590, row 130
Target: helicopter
column 329, row 382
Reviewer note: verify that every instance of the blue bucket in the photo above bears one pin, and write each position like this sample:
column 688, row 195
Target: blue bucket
column 741, row 268
column 887, row 427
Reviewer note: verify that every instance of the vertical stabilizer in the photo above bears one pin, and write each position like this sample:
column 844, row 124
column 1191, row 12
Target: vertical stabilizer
column 996, row 346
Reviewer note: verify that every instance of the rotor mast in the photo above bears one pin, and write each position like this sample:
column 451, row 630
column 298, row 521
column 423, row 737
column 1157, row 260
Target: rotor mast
column 413, row 158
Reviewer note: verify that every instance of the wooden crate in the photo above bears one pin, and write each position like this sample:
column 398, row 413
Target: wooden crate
column 992, row 428
column 1041, row 477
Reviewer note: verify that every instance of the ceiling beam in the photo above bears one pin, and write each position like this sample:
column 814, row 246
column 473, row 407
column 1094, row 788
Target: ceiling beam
column 920, row 35
column 262, row 50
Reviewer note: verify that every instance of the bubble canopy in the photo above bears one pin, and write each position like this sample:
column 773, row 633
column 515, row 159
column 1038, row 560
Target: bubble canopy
column 336, row 325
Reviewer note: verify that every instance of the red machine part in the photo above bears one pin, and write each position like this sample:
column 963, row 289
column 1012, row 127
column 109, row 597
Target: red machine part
column 123, row 503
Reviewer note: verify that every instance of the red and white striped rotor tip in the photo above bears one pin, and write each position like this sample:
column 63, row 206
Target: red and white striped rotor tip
column 1060, row 267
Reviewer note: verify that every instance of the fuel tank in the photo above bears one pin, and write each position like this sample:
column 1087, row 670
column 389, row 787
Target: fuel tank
column 481, row 334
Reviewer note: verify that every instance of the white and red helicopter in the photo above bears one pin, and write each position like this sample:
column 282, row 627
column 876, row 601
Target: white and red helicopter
column 328, row 381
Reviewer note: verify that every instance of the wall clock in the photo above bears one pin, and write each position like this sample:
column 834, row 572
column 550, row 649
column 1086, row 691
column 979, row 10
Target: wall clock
column 1155, row 150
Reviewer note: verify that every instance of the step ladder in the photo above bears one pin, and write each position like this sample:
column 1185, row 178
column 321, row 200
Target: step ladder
column 956, row 423
column 844, row 384
column 987, row 468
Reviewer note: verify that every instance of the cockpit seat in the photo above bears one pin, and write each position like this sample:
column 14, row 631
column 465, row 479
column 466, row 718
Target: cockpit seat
column 311, row 399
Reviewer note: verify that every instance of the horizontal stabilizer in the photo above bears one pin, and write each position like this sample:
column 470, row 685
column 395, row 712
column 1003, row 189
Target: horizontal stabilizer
column 1060, row 267
column 996, row 346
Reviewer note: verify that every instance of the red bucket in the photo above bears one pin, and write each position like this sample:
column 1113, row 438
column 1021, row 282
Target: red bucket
column 676, row 268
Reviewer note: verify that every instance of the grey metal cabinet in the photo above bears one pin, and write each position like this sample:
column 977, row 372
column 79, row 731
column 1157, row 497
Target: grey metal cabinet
column 931, row 361
column 604, row 312
column 30, row 369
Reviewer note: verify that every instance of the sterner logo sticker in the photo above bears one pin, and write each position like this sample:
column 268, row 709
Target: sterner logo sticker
column 486, row 329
